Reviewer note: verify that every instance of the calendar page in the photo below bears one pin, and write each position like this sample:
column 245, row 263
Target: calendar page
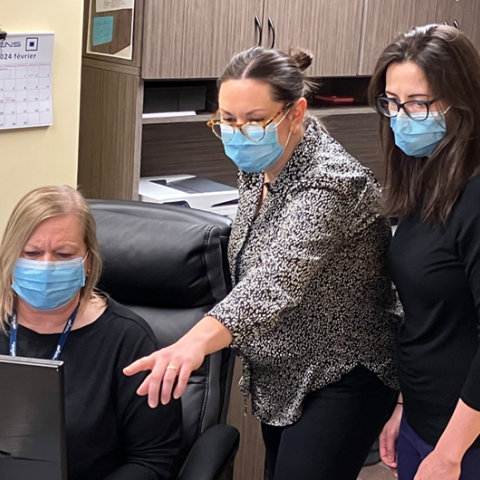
column 25, row 80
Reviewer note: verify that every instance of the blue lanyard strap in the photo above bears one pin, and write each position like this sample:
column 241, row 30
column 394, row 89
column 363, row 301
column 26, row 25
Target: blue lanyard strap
column 61, row 341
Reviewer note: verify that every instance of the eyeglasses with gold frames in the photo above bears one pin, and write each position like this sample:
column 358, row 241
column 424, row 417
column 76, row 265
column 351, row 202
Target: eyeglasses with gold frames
column 254, row 131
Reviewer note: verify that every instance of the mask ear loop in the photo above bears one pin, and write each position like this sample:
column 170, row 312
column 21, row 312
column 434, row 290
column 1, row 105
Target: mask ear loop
column 87, row 273
column 439, row 117
column 288, row 139
column 283, row 118
column 277, row 124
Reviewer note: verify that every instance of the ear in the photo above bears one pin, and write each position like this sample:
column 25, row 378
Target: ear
column 297, row 114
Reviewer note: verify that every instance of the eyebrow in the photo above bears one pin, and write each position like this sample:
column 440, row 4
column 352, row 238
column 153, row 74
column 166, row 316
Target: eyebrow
column 257, row 110
column 410, row 96
column 36, row 247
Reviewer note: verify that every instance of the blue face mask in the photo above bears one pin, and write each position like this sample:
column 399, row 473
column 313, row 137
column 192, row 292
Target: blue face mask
column 251, row 156
column 48, row 285
column 418, row 138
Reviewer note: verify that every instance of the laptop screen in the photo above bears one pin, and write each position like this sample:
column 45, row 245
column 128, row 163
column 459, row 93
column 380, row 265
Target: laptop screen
column 32, row 426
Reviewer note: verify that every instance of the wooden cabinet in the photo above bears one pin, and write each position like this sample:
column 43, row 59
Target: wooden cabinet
column 330, row 29
column 467, row 15
column 384, row 19
column 196, row 38
column 188, row 39
column 433, row 11
column 110, row 129
column 250, row 459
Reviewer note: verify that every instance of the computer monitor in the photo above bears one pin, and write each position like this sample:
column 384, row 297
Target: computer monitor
column 32, row 422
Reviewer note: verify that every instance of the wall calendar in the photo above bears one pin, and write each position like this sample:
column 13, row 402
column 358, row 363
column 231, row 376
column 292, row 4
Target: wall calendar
column 26, row 80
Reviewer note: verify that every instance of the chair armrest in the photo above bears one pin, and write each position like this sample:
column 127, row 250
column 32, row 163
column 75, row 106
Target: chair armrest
column 211, row 454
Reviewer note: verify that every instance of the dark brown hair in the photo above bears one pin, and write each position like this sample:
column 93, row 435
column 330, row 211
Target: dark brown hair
column 451, row 65
column 284, row 73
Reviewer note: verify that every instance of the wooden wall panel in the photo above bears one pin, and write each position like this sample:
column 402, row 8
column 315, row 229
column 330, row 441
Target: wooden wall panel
column 110, row 134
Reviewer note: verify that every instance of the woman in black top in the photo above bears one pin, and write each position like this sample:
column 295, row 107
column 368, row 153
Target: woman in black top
column 311, row 312
column 49, row 308
column 426, row 86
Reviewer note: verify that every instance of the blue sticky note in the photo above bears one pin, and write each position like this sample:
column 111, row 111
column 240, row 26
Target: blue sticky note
column 102, row 30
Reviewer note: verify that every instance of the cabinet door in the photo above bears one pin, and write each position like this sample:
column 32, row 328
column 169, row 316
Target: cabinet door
column 467, row 14
column 433, row 11
column 196, row 38
column 384, row 19
column 330, row 29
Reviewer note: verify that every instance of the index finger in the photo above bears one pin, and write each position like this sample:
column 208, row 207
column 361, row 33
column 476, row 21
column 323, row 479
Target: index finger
column 140, row 365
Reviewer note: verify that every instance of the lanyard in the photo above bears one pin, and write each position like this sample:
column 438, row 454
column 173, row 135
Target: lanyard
column 60, row 344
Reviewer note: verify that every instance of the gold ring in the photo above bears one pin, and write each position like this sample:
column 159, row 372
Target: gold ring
column 171, row 367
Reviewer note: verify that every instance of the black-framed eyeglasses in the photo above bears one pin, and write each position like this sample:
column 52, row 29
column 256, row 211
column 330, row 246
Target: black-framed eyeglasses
column 254, row 131
column 416, row 109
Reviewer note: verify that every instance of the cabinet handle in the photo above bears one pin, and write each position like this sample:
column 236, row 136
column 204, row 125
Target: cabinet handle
column 455, row 24
column 258, row 25
column 271, row 27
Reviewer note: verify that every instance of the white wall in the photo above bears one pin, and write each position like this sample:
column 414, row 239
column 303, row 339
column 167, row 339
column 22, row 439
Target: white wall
column 33, row 157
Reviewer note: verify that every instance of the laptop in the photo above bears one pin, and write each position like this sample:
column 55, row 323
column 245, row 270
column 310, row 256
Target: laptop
column 32, row 419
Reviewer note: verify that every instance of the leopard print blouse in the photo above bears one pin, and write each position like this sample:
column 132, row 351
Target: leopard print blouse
column 310, row 298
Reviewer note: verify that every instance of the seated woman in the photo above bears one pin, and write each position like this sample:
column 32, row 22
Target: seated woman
column 49, row 267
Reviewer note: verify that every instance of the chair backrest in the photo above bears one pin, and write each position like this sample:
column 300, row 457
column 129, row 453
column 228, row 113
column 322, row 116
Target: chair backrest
column 169, row 265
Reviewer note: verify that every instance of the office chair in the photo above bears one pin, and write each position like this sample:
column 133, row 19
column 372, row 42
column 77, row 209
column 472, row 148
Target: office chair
column 168, row 264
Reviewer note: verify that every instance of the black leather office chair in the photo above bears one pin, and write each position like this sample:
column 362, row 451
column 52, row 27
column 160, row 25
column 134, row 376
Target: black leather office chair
column 169, row 265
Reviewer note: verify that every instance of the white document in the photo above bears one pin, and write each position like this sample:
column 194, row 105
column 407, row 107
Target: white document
column 110, row 5
column 168, row 114
column 26, row 80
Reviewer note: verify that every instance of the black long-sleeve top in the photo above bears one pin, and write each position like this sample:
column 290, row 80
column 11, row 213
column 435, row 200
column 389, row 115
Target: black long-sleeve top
column 112, row 433
column 437, row 272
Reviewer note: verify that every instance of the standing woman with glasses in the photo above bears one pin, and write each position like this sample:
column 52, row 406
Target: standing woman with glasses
column 311, row 312
column 426, row 86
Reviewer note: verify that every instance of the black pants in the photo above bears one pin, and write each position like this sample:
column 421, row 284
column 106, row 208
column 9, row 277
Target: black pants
column 332, row 438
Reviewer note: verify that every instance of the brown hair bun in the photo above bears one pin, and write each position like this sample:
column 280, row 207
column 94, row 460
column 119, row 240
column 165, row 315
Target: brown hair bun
column 301, row 57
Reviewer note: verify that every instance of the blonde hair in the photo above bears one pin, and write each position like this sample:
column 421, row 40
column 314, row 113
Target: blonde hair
column 35, row 207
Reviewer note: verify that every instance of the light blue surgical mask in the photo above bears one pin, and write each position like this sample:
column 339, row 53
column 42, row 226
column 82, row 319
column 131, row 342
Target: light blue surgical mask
column 418, row 138
column 48, row 285
column 255, row 156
